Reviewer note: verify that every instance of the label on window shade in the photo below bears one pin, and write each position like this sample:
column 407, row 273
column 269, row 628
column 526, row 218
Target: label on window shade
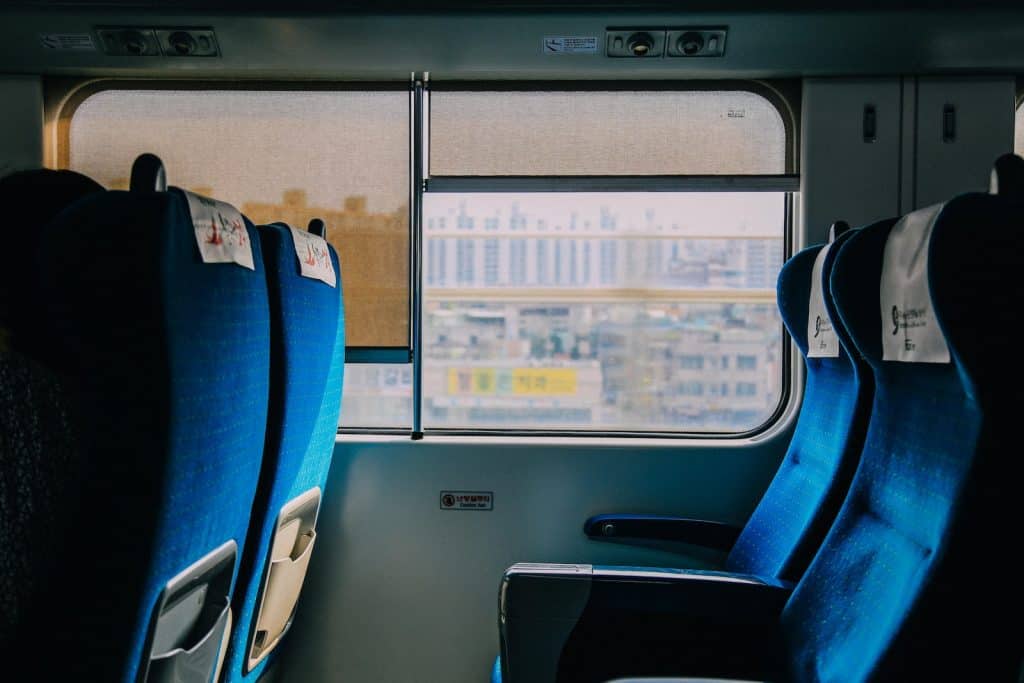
column 220, row 231
column 314, row 257
column 822, row 341
column 570, row 45
column 910, row 332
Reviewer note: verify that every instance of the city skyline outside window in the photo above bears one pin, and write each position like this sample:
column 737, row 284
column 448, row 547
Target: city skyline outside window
column 592, row 311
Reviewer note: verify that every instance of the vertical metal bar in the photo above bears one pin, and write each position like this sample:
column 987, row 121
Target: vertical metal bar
column 416, row 159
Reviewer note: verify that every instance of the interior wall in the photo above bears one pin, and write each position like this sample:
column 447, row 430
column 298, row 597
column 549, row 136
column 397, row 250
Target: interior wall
column 404, row 592
column 983, row 110
column 21, row 123
column 845, row 176
column 908, row 163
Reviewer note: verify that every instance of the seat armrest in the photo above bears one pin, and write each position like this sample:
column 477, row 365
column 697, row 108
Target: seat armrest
column 702, row 532
column 593, row 623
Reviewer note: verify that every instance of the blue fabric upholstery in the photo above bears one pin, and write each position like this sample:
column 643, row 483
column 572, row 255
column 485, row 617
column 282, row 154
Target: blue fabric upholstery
column 790, row 522
column 167, row 359
column 307, row 364
column 800, row 504
column 39, row 458
column 895, row 592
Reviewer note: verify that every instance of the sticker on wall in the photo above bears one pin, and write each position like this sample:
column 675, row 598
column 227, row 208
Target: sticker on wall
column 79, row 42
column 467, row 500
column 570, row 45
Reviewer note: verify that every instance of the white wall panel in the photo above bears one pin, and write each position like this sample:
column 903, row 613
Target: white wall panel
column 984, row 113
column 844, row 176
column 402, row 591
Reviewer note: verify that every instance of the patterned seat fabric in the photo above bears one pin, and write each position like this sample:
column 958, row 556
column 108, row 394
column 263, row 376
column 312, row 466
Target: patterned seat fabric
column 167, row 365
column 800, row 504
column 39, row 459
column 307, row 363
column 902, row 588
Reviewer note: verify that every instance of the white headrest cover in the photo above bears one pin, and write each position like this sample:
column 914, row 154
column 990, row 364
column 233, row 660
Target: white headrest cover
column 910, row 332
column 822, row 341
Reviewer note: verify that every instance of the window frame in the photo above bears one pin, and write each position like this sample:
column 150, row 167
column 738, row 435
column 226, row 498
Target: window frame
column 63, row 96
column 788, row 182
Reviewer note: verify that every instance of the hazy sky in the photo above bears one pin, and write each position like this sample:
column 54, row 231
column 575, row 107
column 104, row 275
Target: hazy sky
column 251, row 146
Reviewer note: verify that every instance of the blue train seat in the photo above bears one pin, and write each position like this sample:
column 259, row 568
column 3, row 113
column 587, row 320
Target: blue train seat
column 800, row 504
column 156, row 318
column 307, row 325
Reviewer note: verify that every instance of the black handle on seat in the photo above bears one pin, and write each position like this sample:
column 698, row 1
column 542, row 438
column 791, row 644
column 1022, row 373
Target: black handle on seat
column 148, row 174
column 837, row 229
column 702, row 532
column 318, row 228
column 1007, row 177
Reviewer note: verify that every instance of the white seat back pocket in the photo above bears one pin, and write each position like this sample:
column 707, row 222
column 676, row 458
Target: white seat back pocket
column 291, row 548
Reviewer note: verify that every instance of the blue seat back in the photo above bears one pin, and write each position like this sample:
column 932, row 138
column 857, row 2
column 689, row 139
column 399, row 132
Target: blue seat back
column 800, row 504
column 167, row 358
column 307, row 364
column 895, row 592
column 39, row 458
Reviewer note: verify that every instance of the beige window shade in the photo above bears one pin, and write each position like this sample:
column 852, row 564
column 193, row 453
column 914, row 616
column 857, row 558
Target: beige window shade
column 289, row 156
column 605, row 133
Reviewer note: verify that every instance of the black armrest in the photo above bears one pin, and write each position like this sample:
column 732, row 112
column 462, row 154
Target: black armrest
column 586, row 623
column 701, row 532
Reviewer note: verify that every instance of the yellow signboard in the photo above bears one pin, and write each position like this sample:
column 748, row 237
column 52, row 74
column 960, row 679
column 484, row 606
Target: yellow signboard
column 516, row 381
column 544, row 381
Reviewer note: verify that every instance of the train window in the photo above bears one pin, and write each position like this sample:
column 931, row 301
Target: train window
column 278, row 155
column 644, row 303
column 562, row 293
column 611, row 312
column 649, row 132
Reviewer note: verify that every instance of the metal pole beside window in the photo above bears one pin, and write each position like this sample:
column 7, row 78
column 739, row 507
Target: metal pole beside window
column 416, row 158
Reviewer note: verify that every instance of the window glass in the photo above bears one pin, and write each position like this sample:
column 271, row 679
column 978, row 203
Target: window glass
column 377, row 396
column 605, row 133
column 283, row 155
column 609, row 312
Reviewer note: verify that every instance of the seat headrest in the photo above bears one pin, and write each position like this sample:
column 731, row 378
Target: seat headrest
column 805, row 303
column 946, row 281
column 32, row 199
column 891, row 258
column 911, row 332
